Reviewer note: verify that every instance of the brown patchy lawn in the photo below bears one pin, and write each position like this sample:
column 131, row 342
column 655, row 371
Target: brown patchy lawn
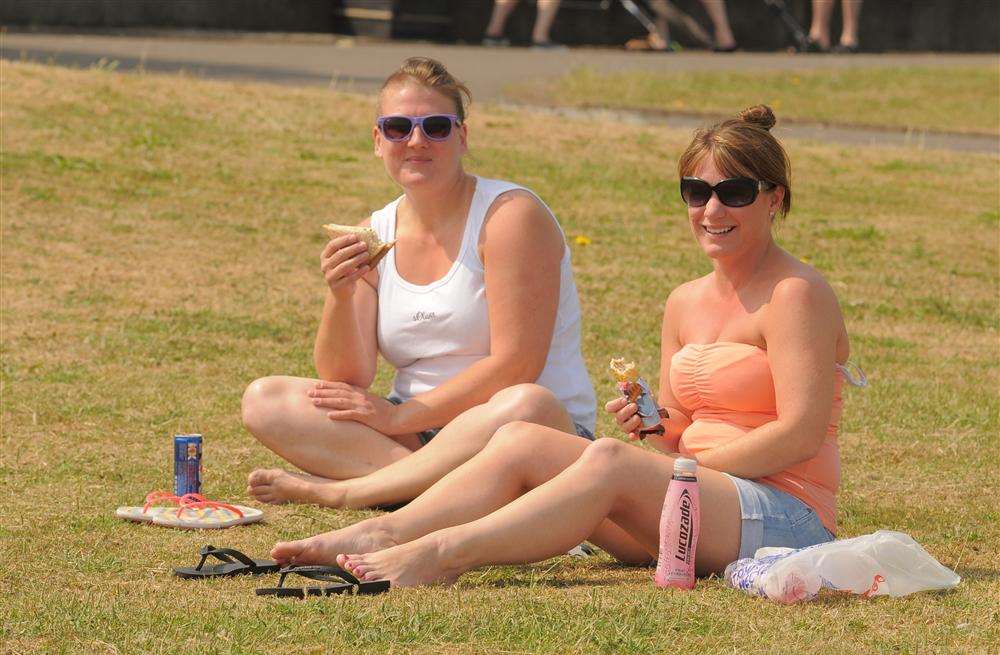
column 159, row 247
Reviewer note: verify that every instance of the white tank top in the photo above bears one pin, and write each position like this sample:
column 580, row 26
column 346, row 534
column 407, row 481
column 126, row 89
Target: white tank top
column 432, row 332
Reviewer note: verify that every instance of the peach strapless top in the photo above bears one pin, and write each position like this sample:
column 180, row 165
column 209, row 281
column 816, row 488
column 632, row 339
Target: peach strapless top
column 727, row 390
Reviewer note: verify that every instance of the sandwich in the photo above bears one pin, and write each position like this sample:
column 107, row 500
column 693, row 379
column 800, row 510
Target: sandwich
column 377, row 248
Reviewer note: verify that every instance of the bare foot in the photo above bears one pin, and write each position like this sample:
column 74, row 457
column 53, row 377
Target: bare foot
column 277, row 486
column 364, row 537
column 416, row 563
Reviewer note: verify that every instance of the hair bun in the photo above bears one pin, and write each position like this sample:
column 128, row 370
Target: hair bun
column 759, row 115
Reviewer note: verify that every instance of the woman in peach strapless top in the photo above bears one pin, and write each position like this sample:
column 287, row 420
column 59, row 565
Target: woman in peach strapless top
column 751, row 372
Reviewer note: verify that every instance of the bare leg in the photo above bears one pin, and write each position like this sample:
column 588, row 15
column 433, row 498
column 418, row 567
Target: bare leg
column 716, row 9
column 852, row 12
column 498, row 19
column 819, row 29
column 543, row 21
column 466, row 435
column 278, row 411
column 661, row 39
column 612, row 480
column 519, row 457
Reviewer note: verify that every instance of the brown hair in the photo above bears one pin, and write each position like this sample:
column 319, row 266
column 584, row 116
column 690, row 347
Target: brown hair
column 432, row 74
column 743, row 146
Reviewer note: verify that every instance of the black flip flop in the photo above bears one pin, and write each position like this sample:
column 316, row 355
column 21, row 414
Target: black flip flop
column 233, row 563
column 350, row 585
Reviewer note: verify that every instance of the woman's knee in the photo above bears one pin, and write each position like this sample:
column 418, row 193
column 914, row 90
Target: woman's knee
column 514, row 440
column 262, row 401
column 605, row 455
column 526, row 402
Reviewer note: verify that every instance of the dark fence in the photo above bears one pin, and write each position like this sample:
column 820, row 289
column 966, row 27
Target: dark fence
column 940, row 25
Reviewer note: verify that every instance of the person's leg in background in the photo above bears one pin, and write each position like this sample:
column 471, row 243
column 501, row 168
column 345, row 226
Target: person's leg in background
column 543, row 22
column 849, row 34
column 660, row 40
column 724, row 39
column 498, row 20
column 819, row 28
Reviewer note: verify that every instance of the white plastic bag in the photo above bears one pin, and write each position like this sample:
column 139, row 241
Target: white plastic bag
column 883, row 563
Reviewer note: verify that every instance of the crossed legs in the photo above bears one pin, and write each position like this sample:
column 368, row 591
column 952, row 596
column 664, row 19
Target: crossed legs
column 531, row 494
column 348, row 464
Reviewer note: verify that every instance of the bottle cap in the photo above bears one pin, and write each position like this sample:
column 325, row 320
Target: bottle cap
column 685, row 466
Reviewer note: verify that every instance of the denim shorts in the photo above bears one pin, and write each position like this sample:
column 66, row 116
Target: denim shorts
column 425, row 436
column 775, row 518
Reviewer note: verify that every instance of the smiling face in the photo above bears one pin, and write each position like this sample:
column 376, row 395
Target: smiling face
column 419, row 161
column 725, row 232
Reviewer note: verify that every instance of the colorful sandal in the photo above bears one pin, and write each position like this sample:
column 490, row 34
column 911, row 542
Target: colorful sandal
column 350, row 585
column 208, row 514
column 157, row 503
column 233, row 562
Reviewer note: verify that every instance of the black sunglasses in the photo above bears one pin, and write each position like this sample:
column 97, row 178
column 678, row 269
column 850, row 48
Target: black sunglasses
column 436, row 127
column 732, row 192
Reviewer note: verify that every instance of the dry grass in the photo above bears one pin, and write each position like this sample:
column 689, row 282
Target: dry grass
column 954, row 99
column 159, row 248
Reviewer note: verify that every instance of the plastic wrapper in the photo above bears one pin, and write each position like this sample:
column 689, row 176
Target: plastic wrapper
column 884, row 563
column 635, row 390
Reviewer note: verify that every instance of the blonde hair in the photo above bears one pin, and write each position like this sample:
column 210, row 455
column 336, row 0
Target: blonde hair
column 432, row 74
column 743, row 146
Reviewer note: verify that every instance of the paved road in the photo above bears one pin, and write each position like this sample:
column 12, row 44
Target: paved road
column 357, row 65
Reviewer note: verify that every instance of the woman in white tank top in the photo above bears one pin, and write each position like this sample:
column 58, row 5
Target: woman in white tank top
column 475, row 307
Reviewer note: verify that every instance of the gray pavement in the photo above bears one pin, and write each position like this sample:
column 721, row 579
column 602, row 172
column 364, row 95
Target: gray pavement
column 360, row 66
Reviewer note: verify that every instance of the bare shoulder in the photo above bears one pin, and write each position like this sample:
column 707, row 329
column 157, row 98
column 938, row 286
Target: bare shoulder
column 801, row 285
column 519, row 209
column 517, row 220
column 802, row 299
column 686, row 295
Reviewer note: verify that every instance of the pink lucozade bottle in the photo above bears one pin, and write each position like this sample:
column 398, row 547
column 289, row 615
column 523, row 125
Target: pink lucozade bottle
column 679, row 524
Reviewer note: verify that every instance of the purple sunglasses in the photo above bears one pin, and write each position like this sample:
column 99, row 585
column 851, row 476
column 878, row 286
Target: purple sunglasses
column 436, row 127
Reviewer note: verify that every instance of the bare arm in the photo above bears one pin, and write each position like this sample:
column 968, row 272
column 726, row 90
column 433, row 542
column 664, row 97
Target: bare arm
column 626, row 413
column 346, row 348
column 801, row 328
column 678, row 419
column 522, row 250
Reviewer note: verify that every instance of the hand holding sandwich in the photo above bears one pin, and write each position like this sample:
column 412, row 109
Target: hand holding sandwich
column 343, row 261
column 351, row 252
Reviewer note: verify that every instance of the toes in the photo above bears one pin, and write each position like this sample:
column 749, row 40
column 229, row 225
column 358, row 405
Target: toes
column 349, row 563
column 265, row 494
column 259, row 491
column 263, row 476
column 285, row 551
